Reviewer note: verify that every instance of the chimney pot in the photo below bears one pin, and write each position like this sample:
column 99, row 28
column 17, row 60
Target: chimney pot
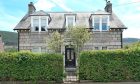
column 31, row 8
column 108, row 7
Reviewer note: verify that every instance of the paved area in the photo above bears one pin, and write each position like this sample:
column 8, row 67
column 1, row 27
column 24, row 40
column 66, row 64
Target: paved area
column 71, row 75
column 107, row 83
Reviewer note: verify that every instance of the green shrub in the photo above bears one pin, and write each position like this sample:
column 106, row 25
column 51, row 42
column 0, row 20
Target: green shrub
column 31, row 66
column 114, row 65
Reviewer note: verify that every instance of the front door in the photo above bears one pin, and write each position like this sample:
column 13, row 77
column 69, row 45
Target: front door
column 70, row 59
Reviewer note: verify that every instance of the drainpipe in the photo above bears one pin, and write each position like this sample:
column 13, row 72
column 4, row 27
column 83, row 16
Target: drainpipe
column 121, row 39
column 18, row 40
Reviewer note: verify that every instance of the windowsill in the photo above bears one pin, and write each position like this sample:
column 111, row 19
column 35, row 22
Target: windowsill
column 100, row 31
column 39, row 31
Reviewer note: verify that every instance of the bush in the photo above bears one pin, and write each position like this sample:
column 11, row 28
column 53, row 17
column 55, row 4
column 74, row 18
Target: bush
column 115, row 65
column 27, row 66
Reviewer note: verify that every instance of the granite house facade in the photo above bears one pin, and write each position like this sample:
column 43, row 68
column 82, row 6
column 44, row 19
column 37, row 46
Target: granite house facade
column 36, row 26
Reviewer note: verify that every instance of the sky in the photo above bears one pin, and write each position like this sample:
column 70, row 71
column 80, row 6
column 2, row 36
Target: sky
column 12, row 11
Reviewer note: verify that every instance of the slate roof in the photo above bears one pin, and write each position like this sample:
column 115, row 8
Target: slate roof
column 58, row 19
column 40, row 13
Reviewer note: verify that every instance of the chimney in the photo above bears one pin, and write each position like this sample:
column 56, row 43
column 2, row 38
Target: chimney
column 108, row 7
column 31, row 8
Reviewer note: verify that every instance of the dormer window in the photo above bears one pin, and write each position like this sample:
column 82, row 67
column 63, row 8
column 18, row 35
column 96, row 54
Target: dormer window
column 100, row 23
column 70, row 21
column 39, row 23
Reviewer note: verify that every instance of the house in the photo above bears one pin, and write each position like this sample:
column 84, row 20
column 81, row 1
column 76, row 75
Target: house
column 36, row 26
column 1, row 44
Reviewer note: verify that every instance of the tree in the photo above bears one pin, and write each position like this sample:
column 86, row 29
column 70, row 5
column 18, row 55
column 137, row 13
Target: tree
column 78, row 36
column 55, row 42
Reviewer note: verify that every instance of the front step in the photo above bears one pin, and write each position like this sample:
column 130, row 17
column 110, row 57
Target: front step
column 71, row 76
column 70, row 69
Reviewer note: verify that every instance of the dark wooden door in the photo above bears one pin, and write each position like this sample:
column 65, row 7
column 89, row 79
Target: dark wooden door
column 70, row 59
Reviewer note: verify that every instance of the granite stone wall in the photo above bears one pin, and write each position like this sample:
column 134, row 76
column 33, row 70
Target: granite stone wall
column 99, row 40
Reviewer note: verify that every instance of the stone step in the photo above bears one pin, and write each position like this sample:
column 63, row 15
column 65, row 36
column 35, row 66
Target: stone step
column 71, row 76
column 71, row 73
column 71, row 79
column 70, row 69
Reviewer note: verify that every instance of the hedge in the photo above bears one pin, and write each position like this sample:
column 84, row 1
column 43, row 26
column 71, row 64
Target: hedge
column 27, row 66
column 109, row 66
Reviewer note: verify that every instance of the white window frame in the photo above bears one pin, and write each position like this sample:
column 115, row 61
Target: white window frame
column 100, row 22
column 39, row 18
column 67, row 20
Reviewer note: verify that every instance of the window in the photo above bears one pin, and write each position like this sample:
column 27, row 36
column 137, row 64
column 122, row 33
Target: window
column 70, row 21
column 100, row 23
column 96, row 48
column 36, row 49
column 104, row 23
column 43, row 49
column 43, row 24
column 97, row 23
column 36, row 24
column 39, row 23
column 104, row 48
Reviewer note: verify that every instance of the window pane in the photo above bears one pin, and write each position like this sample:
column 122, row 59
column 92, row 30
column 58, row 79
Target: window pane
column 36, row 24
column 96, row 26
column 104, row 26
column 35, row 49
column 43, row 24
column 104, row 48
column 97, row 20
column 70, row 21
column 96, row 48
column 43, row 49
column 104, row 19
column 96, row 23
column 43, row 28
column 36, row 28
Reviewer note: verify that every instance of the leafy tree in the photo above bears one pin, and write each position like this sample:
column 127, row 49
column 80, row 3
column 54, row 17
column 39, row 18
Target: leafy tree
column 55, row 42
column 78, row 35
